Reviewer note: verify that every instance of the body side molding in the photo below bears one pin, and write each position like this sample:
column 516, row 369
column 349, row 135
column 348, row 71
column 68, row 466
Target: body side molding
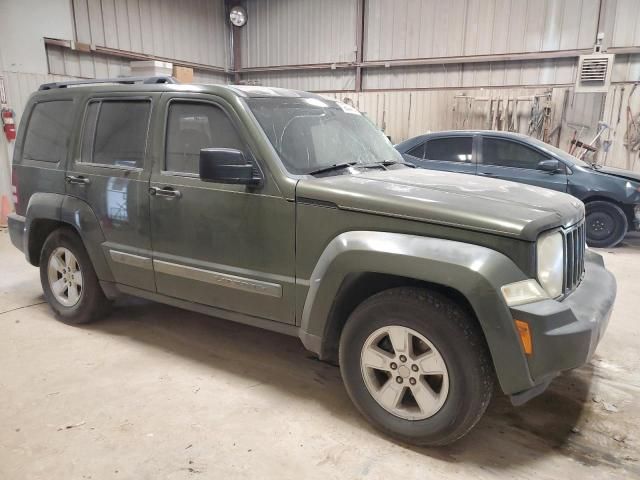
column 218, row 278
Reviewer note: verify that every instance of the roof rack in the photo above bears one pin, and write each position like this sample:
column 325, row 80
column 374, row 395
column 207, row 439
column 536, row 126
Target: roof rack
column 121, row 80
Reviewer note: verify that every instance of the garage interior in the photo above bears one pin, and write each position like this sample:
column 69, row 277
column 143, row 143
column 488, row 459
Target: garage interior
column 158, row 392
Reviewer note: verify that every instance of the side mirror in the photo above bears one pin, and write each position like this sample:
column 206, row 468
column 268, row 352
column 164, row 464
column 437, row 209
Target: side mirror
column 550, row 166
column 226, row 165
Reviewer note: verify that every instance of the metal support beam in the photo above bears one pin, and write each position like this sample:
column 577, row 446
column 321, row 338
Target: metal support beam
column 114, row 52
column 606, row 21
column 234, row 40
column 359, row 43
column 416, row 62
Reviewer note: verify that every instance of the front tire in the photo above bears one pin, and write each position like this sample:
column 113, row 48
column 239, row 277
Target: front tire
column 416, row 365
column 69, row 281
column 606, row 224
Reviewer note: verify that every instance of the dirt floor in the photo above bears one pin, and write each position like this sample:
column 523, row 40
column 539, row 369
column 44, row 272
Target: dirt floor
column 155, row 392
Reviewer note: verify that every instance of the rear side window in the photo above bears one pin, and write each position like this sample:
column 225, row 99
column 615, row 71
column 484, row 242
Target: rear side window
column 193, row 126
column 452, row 149
column 47, row 137
column 115, row 133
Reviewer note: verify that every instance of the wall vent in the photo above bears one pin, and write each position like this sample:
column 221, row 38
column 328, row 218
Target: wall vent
column 594, row 72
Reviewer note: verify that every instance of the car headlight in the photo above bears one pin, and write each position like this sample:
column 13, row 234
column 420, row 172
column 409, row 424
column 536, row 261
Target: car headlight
column 550, row 255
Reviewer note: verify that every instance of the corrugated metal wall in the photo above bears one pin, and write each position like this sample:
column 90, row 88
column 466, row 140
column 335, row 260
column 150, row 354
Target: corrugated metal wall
column 63, row 61
column 285, row 32
column 432, row 28
column 626, row 26
column 626, row 68
column 622, row 101
column 190, row 30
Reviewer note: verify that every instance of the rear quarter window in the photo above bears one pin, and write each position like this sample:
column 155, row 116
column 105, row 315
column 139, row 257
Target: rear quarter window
column 417, row 151
column 48, row 131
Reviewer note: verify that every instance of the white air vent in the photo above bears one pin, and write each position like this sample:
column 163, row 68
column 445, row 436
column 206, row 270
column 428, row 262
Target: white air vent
column 594, row 72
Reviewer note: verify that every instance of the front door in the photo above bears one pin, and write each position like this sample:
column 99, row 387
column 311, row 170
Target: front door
column 510, row 160
column 111, row 173
column 226, row 246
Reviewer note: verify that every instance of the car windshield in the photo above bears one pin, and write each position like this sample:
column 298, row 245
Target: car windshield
column 312, row 134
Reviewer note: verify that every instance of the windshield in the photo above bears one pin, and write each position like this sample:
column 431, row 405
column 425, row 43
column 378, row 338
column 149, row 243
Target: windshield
column 311, row 134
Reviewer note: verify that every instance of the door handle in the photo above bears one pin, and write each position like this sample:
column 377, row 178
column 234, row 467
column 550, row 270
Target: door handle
column 79, row 180
column 167, row 192
column 488, row 174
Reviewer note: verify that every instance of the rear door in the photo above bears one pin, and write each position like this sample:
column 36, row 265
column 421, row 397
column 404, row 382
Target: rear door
column 511, row 160
column 451, row 154
column 42, row 148
column 111, row 173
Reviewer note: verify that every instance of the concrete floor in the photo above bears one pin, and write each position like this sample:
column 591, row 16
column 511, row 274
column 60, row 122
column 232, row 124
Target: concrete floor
column 155, row 392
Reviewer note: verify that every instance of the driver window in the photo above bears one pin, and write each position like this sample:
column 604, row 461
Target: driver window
column 505, row 153
column 193, row 126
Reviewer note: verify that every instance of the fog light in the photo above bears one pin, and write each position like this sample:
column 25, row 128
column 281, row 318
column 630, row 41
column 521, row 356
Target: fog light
column 526, row 291
column 525, row 336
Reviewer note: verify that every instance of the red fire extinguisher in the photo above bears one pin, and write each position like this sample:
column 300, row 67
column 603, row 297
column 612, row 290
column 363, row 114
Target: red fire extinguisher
column 8, row 123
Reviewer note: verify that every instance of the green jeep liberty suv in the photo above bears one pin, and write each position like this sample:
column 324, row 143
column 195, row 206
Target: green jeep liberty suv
column 291, row 212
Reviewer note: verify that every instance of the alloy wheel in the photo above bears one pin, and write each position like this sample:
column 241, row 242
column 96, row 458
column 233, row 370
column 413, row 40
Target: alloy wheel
column 65, row 277
column 404, row 372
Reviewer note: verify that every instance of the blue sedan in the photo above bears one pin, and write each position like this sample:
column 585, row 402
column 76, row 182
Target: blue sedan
column 611, row 195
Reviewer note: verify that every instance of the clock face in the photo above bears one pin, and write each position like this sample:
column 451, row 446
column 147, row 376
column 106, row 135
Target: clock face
column 238, row 16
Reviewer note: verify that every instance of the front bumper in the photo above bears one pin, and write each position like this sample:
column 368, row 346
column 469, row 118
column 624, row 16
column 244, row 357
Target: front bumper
column 16, row 224
column 565, row 334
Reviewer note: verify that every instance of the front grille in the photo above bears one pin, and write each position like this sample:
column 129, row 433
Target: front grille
column 574, row 247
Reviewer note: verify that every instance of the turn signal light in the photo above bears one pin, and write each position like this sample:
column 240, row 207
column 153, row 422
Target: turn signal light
column 525, row 336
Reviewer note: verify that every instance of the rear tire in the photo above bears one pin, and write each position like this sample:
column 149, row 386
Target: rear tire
column 606, row 224
column 441, row 378
column 69, row 281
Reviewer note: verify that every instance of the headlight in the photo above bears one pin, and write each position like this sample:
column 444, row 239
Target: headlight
column 550, row 255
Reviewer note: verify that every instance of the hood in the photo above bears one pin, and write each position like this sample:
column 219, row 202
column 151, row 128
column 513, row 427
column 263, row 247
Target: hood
column 619, row 172
column 454, row 199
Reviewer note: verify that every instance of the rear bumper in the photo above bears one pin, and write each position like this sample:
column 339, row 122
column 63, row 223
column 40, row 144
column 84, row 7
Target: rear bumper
column 17, row 225
column 565, row 334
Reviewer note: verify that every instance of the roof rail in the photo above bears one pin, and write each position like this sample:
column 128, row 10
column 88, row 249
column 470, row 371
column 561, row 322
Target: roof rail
column 122, row 80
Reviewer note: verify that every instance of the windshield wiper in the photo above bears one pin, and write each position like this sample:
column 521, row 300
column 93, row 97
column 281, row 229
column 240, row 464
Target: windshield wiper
column 395, row 162
column 340, row 166
column 330, row 168
column 386, row 163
